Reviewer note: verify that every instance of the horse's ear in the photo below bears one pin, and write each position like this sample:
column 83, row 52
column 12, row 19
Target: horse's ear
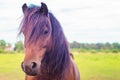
column 24, row 7
column 44, row 9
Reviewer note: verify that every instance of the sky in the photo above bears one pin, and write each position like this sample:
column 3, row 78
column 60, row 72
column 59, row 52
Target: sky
column 85, row 21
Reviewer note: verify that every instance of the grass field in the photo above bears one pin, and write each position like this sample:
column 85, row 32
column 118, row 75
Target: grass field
column 92, row 66
column 10, row 67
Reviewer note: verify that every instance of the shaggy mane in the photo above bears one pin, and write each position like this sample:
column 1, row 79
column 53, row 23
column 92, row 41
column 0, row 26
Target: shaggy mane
column 58, row 59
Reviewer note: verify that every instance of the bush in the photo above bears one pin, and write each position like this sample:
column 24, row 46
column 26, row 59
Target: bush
column 115, row 51
column 82, row 50
column 93, row 51
column 2, row 51
column 106, row 51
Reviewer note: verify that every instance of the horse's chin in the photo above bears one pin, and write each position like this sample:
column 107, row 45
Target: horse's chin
column 31, row 74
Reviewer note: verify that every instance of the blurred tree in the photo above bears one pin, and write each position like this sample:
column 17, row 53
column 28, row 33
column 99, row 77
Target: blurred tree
column 116, row 45
column 75, row 45
column 2, row 44
column 19, row 46
column 108, row 46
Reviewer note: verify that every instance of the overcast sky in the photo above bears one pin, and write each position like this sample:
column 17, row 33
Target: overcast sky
column 89, row 21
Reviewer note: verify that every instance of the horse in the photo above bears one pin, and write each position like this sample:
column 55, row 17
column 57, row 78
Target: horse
column 47, row 55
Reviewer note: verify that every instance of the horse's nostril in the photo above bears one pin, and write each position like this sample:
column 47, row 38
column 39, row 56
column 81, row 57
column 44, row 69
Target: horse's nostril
column 34, row 65
column 29, row 68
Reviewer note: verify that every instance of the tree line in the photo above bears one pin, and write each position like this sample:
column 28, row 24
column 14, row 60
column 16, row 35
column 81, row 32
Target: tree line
column 7, row 47
column 113, row 47
column 95, row 45
column 18, row 46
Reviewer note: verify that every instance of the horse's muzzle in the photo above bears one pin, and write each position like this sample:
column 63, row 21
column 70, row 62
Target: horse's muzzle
column 30, row 69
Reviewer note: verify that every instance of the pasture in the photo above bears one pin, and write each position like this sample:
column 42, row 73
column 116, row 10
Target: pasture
column 99, row 66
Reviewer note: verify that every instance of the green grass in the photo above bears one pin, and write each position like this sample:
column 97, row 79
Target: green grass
column 98, row 66
column 10, row 67
column 92, row 66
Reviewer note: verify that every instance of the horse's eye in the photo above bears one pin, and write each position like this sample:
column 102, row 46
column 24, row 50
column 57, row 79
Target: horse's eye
column 46, row 32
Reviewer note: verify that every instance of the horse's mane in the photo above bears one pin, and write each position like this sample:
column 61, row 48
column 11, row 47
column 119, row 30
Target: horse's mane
column 58, row 59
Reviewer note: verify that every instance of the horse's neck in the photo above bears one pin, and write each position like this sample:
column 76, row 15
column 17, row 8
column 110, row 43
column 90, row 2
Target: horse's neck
column 76, row 72
column 72, row 73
